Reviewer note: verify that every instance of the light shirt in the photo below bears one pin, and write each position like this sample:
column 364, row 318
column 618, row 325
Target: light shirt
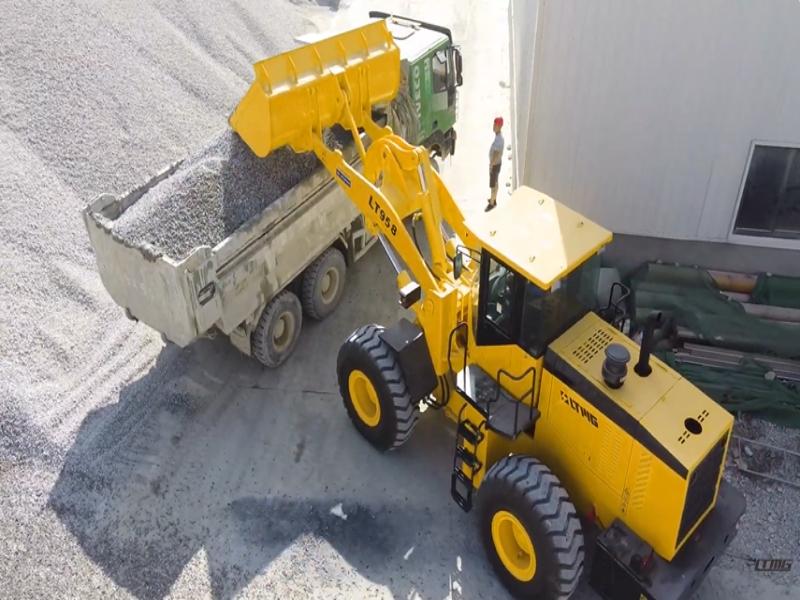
column 496, row 149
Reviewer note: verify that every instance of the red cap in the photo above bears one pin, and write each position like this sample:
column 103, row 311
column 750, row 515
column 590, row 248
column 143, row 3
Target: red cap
column 498, row 121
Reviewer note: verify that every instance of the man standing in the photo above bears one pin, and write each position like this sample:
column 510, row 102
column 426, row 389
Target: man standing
column 495, row 158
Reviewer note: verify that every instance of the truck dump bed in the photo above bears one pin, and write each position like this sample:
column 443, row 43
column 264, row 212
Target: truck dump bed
column 183, row 254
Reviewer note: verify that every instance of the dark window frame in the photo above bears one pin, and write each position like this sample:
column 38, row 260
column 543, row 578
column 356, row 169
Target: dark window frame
column 755, row 182
column 489, row 334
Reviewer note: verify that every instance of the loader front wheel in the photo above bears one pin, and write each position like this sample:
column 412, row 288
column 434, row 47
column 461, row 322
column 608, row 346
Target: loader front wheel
column 530, row 529
column 374, row 389
column 277, row 330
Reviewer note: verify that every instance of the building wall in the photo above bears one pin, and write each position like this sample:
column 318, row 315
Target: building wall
column 642, row 114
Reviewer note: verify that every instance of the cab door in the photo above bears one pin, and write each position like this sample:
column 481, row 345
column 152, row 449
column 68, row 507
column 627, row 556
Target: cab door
column 497, row 323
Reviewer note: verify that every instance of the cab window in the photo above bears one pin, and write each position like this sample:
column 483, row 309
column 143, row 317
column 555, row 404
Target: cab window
column 440, row 71
column 513, row 310
column 546, row 315
column 500, row 297
column 499, row 302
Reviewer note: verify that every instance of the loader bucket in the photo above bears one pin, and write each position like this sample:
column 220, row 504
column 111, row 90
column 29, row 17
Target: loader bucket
column 306, row 89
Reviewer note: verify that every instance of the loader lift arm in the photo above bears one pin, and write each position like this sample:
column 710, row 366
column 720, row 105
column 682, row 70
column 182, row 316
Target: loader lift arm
column 297, row 95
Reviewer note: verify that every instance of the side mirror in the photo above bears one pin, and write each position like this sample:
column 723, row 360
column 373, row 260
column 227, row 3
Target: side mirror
column 459, row 65
column 458, row 265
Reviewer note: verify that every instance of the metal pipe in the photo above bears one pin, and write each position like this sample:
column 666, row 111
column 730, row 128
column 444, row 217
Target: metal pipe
column 643, row 368
column 730, row 281
column 772, row 313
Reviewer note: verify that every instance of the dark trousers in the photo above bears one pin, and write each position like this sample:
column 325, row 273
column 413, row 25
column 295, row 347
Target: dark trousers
column 494, row 173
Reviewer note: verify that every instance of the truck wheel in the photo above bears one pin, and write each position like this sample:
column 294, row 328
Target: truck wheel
column 278, row 329
column 530, row 529
column 374, row 389
column 323, row 284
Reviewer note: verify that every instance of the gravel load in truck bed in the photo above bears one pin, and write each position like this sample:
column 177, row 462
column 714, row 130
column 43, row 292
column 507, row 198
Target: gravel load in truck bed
column 212, row 194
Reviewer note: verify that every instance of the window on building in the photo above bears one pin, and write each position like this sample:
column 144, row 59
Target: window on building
column 439, row 64
column 770, row 203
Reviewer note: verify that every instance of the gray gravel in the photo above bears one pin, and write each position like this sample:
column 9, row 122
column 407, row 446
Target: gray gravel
column 215, row 191
column 211, row 195
column 769, row 527
column 97, row 96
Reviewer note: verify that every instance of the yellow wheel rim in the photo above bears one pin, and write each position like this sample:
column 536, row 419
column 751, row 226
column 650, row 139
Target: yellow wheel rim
column 513, row 545
column 364, row 398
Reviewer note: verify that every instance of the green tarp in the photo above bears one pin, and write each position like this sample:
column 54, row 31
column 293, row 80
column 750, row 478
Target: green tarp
column 777, row 290
column 691, row 297
column 705, row 315
column 747, row 389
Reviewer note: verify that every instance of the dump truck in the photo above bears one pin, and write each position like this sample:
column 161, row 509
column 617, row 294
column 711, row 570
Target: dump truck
column 559, row 445
column 291, row 257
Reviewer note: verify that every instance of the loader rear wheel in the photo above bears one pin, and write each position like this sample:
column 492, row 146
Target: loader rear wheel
column 278, row 329
column 530, row 529
column 323, row 284
column 374, row 389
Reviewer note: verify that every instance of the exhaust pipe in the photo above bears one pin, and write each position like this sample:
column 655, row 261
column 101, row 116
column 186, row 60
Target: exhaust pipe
column 653, row 322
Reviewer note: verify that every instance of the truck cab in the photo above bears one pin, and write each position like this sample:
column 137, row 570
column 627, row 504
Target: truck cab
column 424, row 111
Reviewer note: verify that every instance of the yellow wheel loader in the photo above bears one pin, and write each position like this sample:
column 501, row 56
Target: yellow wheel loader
column 557, row 439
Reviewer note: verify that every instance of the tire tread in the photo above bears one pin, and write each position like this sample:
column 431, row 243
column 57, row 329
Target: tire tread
column 545, row 497
column 259, row 338
column 309, row 282
column 368, row 340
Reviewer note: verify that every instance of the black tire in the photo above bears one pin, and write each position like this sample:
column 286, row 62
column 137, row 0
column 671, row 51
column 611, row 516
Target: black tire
column 270, row 344
column 527, row 489
column 364, row 351
column 323, row 284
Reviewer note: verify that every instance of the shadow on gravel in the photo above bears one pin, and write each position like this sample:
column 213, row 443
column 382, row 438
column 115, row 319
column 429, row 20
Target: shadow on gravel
column 186, row 461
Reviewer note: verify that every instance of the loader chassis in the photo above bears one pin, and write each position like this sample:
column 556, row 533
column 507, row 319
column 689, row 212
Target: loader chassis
column 505, row 343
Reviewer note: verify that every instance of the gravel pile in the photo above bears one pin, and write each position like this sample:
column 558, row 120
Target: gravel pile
column 95, row 96
column 211, row 195
column 214, row 192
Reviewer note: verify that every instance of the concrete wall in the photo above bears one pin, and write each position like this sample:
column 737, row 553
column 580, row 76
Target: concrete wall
column 642, row 114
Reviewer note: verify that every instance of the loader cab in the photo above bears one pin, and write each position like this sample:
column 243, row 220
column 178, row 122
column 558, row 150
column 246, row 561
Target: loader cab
column 539, row 266
column 515, row 310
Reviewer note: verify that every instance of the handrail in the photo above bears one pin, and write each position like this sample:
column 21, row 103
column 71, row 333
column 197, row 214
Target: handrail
column 500, row 373
column 612, row 311
column 450, row 347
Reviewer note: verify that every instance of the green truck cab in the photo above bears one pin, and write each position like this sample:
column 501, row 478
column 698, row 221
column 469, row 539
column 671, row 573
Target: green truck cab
column 424, row 112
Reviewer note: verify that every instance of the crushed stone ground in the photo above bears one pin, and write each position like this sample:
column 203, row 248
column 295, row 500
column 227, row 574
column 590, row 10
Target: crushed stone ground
column 768, row 528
